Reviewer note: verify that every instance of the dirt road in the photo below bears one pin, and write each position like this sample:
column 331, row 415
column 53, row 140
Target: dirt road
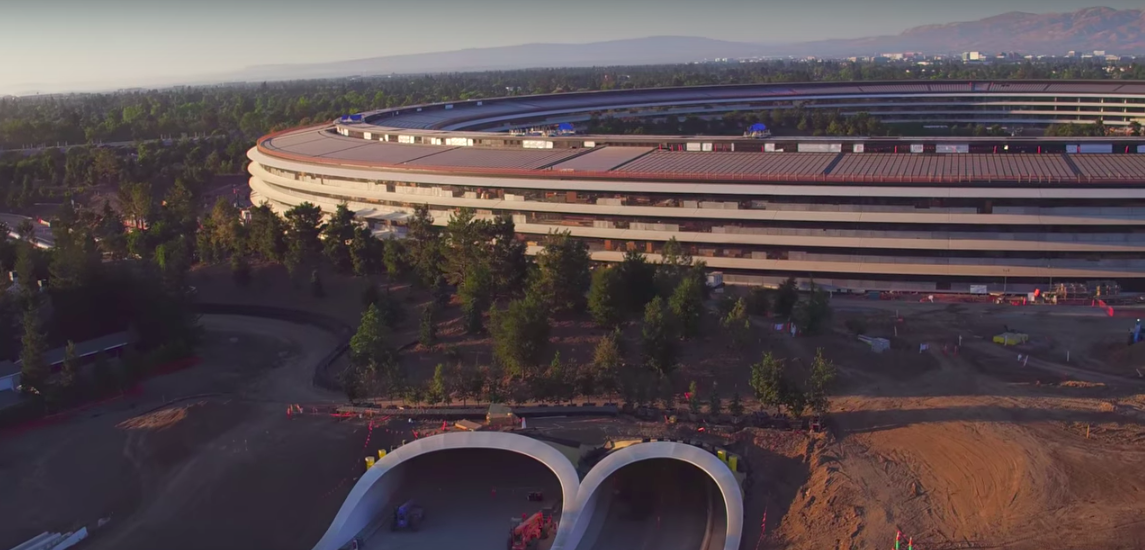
column 469, row 497
column 227, row 469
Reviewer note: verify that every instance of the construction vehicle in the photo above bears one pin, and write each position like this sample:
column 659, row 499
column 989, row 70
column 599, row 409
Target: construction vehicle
column 407, row 516
column 525, row 533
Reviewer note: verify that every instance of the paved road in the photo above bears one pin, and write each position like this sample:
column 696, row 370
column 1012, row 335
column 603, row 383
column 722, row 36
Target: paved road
column 661, row 505
column 456, row 488
column 43, row 233
column 294, row 383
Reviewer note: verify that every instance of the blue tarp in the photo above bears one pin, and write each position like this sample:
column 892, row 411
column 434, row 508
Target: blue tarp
column 757, row 127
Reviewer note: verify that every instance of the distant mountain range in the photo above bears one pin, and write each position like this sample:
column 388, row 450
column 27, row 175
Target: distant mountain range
column 1116, row 31
column 636, row 51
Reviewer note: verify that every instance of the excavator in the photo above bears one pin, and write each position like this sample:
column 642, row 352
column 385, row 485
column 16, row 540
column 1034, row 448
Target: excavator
column 525, row 533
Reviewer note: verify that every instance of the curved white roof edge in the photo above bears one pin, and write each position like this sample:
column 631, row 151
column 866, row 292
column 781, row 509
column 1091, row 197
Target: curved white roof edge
column 372, row 490
column 369, row 494
column 704, row 460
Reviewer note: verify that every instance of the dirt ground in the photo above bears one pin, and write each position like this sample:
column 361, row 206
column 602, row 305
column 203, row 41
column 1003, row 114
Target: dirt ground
column 966, row 450
column 202, row 458
column 973, row 450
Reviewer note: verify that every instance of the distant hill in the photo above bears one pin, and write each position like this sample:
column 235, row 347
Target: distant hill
column 1116, row 31
column 637, row 51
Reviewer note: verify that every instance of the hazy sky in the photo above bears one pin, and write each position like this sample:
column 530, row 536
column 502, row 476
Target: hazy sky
column 50, row 45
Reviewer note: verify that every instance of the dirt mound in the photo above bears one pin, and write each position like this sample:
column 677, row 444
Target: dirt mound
column 957, row 482
column 1118, row 354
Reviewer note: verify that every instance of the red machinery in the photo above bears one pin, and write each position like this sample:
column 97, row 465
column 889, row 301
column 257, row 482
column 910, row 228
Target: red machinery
column 525, row 533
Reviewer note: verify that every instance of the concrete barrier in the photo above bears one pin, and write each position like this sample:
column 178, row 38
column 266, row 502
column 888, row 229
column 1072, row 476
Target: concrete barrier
column 705, row 461
column 580, row 498
column 377, row 485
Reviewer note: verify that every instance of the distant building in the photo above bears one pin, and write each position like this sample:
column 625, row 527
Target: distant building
column 9, row 376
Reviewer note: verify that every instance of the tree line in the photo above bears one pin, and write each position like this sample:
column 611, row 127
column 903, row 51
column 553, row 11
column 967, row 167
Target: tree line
column 481, row 265
column 250, row 110
column 97, row 279
column 53, row 175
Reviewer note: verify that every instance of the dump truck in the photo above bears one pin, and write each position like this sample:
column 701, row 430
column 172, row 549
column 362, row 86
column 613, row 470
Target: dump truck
column 407, row 516
column 525, row 533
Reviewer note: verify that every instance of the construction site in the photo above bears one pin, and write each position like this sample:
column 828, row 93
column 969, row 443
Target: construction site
column 952, row 424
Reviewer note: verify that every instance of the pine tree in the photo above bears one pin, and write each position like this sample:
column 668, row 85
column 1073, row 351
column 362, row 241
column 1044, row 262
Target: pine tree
column 363, row 251
column 786, row 297
column 737, row 323
column 475, row 294
column 819, row 382
column 768, row 381
column 33, row 368
column 303, row 226
column 638, row 281
column 69, row 371
column 715, row 402
column 390, row 309
column 564, row 276
column 439, row 387
column 736, row 406
column 520, row 335
column 658, row 338
column 427, row 330
column 605, row 298
column 608, row 361
column 687, row 305
column 394, row 258
column 371, row 352
column 812, row 315
column 336, row 237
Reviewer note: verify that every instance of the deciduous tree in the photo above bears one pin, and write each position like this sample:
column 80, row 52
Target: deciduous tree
column 33, row 368
column 786, row 297
column 638, row 279
column 337, row 233
column 365, row 252
column 303, row 226
column 563, row 275
column 606, row 297
column 768, row 381
column 687, row 306
column 520, row 335
column 659, row 337
column 819, row 382
column 475, row 294
column 737, row 323
column 812, row 316
column 267, row 230
column 427, row 329
column 424, row 245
